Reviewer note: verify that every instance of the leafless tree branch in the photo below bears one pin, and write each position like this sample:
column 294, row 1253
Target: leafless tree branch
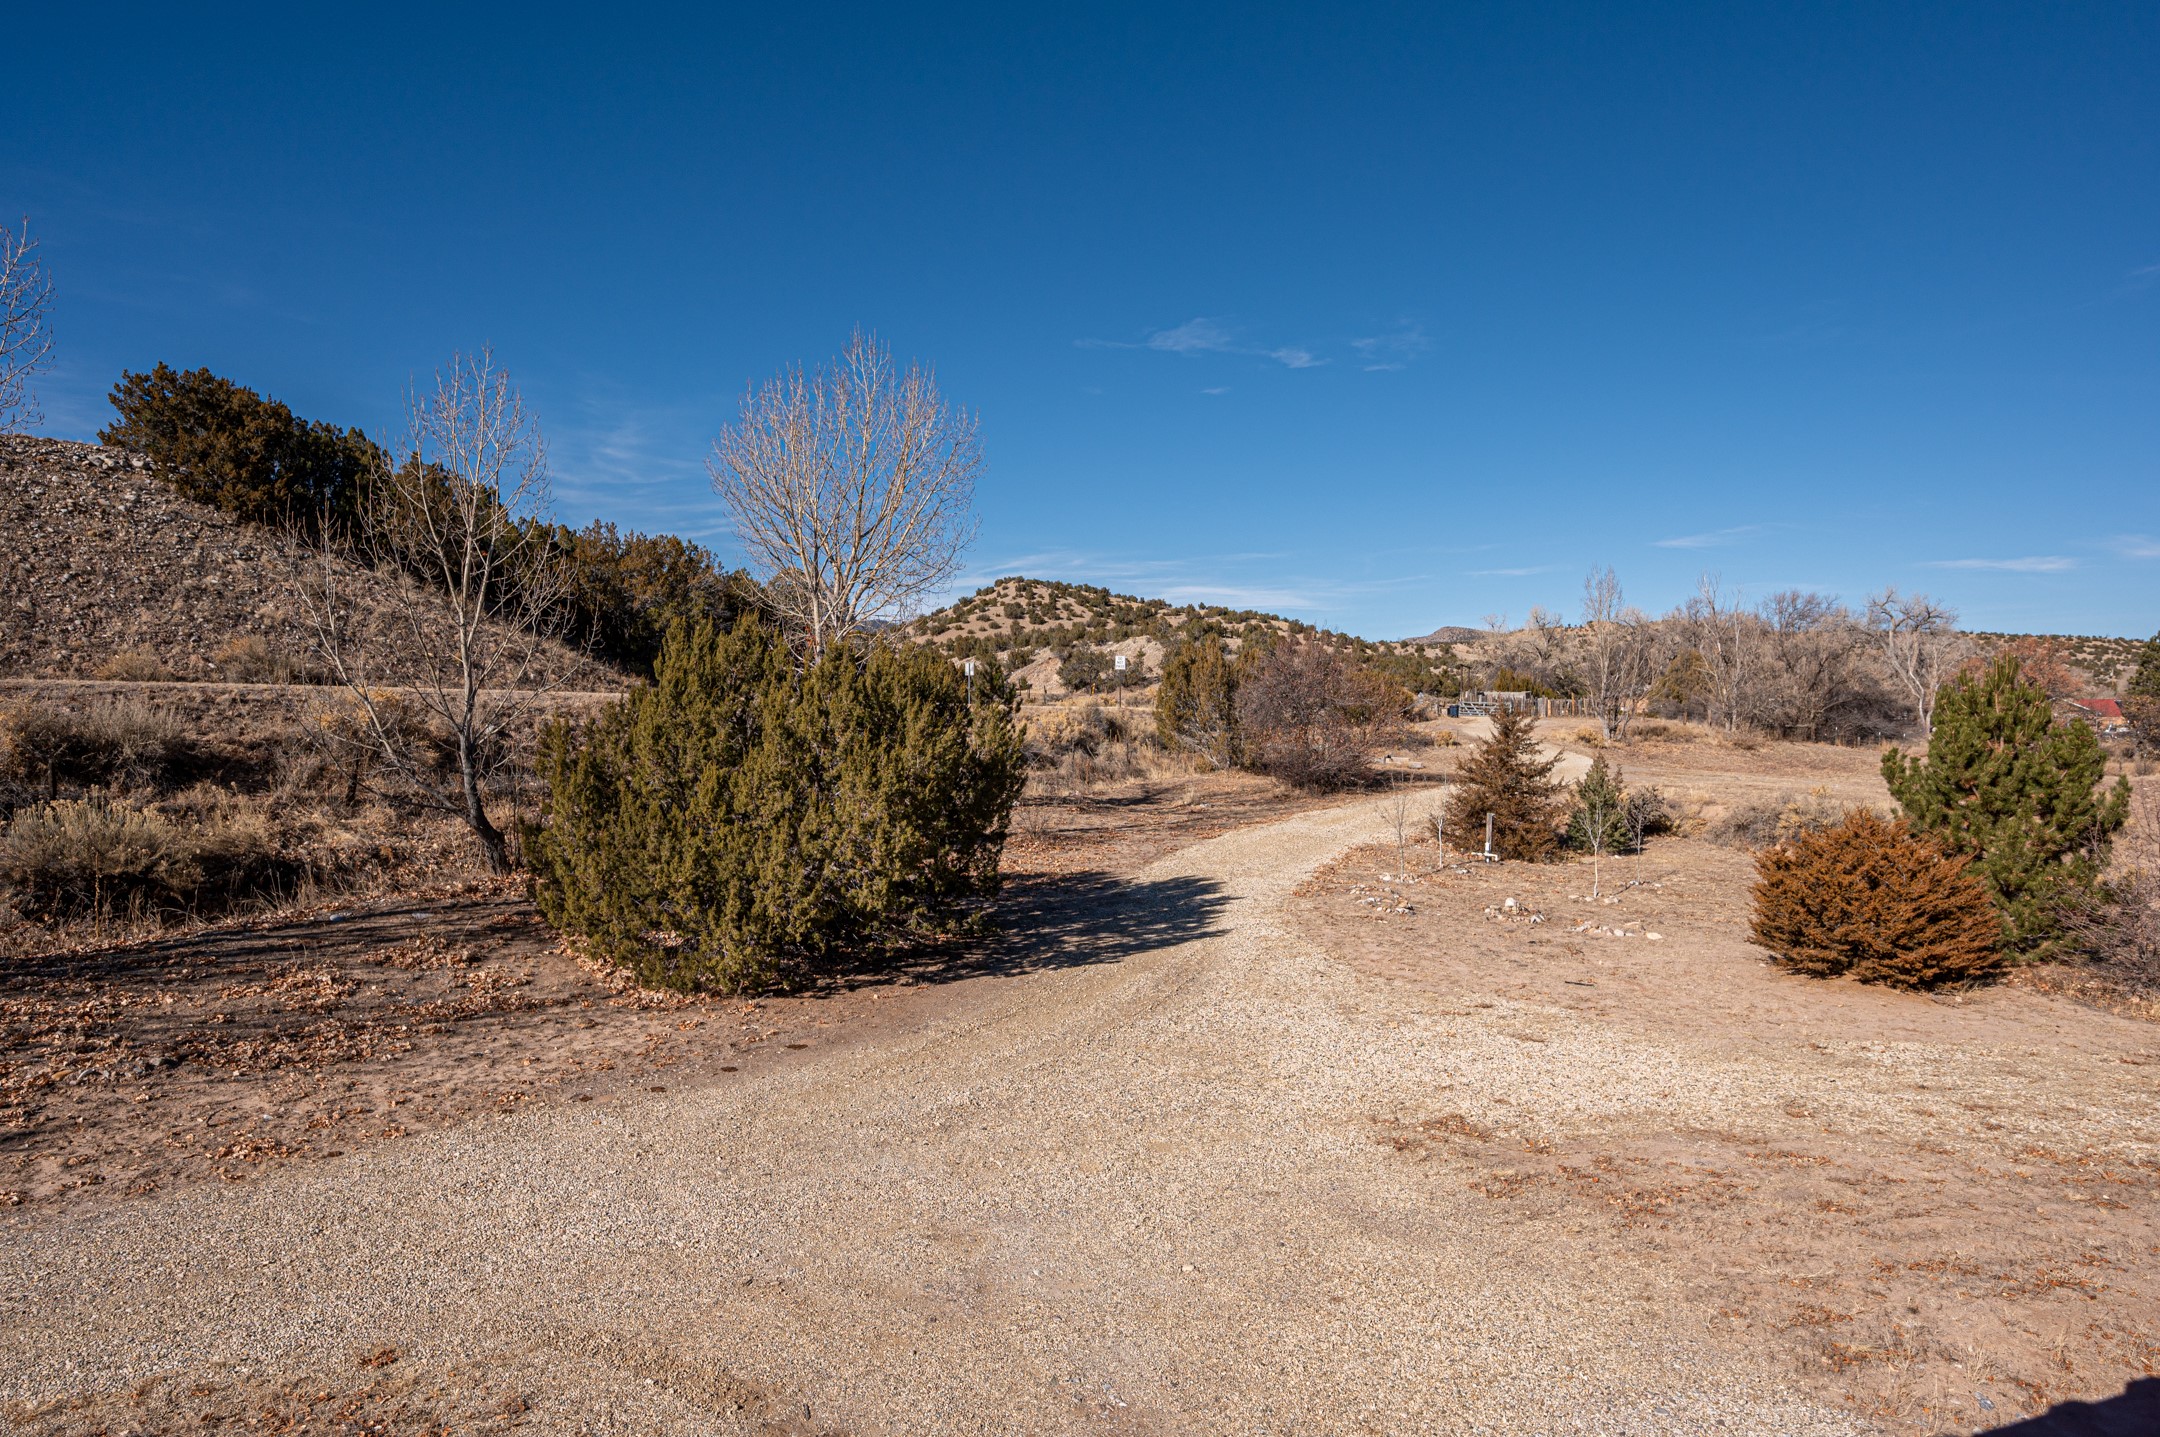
column 1619, row 648
column 439, row 681
column 1919, row 644
column 850, row 489
column 25, row 337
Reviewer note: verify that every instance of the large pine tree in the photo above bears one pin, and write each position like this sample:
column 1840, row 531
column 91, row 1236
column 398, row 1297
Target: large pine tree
column 2021, row 793
column 1506, row 778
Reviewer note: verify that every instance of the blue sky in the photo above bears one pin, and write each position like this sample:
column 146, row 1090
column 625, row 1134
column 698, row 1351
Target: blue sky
column 1385, row 317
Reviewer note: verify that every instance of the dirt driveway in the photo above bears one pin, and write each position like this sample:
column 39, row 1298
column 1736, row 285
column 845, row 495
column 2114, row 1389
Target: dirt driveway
column 1135, row 1191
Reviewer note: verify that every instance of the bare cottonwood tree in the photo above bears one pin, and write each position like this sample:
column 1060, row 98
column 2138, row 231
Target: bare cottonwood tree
column 25, row 339
column 1919, row 644
column 439, row 679
column 1617, row 651
column 1724, row 635
column 851, row 488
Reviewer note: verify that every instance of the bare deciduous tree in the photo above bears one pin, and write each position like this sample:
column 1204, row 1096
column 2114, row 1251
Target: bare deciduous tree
column 25, row 339
column 1918, row 638
column 1724, row 638
column 1400, row 820
column 461, row 661
column 1618, row 651
column 851, row 489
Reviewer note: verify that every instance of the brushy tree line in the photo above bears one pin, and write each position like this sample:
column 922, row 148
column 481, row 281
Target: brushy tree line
column 791, row 793
column 1796, row 664
column 1302, row 711
column 222, row 444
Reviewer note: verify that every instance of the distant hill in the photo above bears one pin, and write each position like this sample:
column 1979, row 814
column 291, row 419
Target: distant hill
column 98, row 558
column 1028, row 623
column 1448, row 635
column 2107, row 662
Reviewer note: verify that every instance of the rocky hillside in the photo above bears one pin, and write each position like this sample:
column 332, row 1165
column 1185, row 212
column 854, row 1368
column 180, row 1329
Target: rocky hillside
column 1028, row 625
column 104, row 570
column 2104, row 663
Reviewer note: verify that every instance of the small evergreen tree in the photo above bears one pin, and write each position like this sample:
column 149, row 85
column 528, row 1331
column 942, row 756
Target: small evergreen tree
column 1598, row 814
column 2017, row 792
column 1196, row 703
column 745, row 820
column 1877, row 902
column 1505, row 778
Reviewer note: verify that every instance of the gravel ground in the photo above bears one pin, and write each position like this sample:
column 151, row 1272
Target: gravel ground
column 1138, row 1196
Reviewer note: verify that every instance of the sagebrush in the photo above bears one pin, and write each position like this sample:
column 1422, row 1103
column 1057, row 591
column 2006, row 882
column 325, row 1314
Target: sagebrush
column 98, row 856
column 49, row 746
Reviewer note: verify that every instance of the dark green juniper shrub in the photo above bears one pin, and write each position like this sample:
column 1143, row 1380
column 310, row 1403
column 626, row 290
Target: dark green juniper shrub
column 1196, row 704
column 747, row 820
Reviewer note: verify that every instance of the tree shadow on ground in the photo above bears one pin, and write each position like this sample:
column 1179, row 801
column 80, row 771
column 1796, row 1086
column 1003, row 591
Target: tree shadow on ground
column 2134, row 1412
column 345, row 935
column 1071, row 920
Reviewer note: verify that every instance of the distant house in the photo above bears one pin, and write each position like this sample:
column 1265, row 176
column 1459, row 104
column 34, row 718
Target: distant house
column 2105, row 715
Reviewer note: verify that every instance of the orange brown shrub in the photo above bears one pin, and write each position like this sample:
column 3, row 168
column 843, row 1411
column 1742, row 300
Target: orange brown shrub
column 1873, row 900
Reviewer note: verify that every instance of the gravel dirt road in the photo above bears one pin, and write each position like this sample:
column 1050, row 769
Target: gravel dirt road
column 1138, row 1192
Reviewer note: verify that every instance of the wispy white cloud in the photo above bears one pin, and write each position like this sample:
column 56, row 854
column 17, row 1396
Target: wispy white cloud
column 1194, row 336
column 2032, row 564
column 1208, row 336
column 1237, row 596
column 642, row 467
column 2138, row 280
column 1392, row 351
column 1713, row 539
column 2136, row 546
